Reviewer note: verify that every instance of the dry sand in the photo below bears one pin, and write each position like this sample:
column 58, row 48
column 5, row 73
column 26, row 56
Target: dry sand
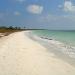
column 19, row 55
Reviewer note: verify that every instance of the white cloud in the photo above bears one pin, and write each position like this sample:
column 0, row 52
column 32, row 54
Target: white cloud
column 17, row 13
column 59, row 6
column 69, row 7
column 20, row 1
column 35, row 9
column 49, row 18
column 57, row 22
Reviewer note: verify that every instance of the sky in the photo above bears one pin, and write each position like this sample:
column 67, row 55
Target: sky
column 45, row 14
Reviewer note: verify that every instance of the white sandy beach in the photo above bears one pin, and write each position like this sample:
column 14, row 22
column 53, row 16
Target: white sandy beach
column 19, row 55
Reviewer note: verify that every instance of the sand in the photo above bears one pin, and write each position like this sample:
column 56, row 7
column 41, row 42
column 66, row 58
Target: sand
column 19, row 55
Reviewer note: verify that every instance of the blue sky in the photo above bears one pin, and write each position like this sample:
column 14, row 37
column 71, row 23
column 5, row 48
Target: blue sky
column 47, row 14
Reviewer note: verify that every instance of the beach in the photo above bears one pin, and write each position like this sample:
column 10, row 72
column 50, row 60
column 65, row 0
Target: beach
column 20, row 55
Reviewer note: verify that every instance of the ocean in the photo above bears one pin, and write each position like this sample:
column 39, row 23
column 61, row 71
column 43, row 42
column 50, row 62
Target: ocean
column 65, row 36
column 64, row 39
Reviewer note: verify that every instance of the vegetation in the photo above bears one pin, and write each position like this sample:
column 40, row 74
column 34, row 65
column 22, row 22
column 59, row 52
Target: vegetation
column 10, row 29
column 4, row 31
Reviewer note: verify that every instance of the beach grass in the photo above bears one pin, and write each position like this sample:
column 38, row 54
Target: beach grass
column 6, row 32
column 9, row 30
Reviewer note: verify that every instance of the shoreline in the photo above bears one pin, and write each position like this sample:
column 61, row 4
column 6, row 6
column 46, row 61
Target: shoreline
column 21, row 55
column 61, row 53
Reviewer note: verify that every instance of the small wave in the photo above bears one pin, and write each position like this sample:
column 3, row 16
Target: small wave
column 66, row 49
column 62, row 47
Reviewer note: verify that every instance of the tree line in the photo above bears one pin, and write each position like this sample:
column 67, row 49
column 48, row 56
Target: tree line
column 11, row 27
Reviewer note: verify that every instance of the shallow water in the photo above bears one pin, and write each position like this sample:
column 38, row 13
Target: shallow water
column 67, row 37
column 64, row 40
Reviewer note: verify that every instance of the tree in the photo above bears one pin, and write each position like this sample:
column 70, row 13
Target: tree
column 10, row 27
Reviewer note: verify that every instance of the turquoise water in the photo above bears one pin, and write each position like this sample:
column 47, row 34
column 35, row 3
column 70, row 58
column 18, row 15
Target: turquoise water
column 65, row 36
column 60, row 42
column 64, row 41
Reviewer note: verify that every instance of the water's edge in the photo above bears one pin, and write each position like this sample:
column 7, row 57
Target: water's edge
column 52, row 48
